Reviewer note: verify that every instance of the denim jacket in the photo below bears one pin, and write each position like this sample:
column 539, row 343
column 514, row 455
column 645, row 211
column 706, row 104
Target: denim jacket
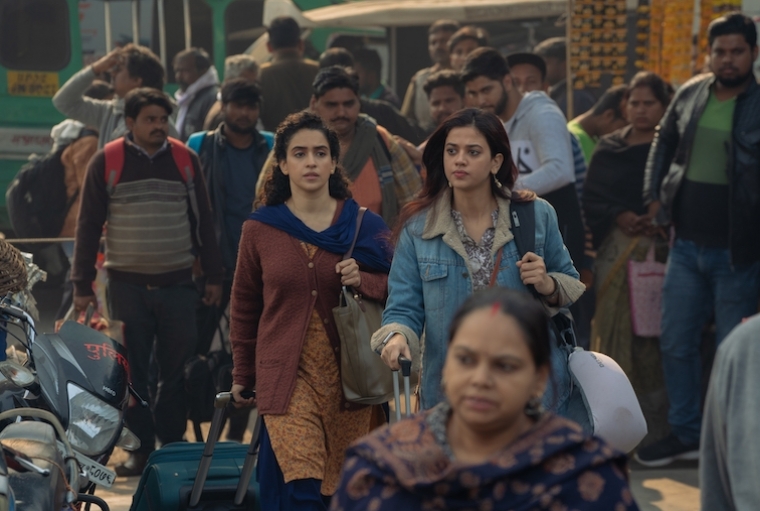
column 430, row 278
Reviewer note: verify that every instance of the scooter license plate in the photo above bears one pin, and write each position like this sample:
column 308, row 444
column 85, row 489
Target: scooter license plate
column 96, row 472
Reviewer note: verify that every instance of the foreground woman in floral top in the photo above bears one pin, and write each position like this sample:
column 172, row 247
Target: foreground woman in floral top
column 488, row 446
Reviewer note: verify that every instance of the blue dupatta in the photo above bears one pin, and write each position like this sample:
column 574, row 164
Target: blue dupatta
column 372, row 248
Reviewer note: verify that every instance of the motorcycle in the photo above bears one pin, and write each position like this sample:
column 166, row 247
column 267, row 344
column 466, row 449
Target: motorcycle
column 34, row 462
column 79, row 375
column 36, row 455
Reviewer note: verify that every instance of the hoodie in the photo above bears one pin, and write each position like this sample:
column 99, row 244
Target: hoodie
column 540, row 145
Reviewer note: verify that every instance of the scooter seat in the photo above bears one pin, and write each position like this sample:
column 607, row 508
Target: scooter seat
column 36, row 440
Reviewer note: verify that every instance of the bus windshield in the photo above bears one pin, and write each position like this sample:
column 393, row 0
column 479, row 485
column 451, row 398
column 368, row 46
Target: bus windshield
column 34, row 35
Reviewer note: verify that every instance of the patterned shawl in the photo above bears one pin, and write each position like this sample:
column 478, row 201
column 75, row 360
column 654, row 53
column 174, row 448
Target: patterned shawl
column 552, row 466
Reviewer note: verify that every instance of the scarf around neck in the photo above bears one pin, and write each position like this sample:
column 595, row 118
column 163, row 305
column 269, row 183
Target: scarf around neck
column 184, row 99
column 368, row 143
column 372, row 246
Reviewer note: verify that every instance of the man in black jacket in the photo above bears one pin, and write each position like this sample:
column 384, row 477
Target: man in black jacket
column 232, row 157
column 703, row 176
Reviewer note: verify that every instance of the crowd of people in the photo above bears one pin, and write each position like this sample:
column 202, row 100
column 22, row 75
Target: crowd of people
column 256, row 212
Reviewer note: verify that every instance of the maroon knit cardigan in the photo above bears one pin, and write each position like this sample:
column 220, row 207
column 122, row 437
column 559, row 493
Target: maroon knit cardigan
column 276, row 288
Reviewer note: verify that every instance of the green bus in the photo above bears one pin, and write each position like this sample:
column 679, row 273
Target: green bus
column 44, row 42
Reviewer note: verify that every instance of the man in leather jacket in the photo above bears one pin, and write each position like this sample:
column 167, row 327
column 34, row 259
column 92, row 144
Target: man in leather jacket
column 703, row 177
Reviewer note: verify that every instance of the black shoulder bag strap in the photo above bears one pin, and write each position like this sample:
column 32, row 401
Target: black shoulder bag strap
column 523, row 216
column 347, row 255
column 359, row 217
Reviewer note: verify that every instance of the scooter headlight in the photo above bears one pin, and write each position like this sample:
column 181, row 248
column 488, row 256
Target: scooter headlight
column 93, row 423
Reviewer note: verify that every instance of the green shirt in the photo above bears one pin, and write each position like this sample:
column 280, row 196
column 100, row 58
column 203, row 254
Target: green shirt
column 709, row 153
column 588, row 144
column 702, row 204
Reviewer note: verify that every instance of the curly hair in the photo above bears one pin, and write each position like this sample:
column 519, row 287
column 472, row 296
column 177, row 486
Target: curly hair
column 277, row 186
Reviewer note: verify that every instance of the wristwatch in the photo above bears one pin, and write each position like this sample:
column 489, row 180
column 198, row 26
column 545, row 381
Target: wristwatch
column 555, row 293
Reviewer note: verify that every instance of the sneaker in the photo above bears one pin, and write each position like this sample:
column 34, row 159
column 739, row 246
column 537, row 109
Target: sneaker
column 134, row 465
column 666, row 451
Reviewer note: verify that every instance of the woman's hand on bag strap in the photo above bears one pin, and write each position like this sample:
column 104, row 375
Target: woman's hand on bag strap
column 239, row 400
column 349, row 273
column 396, row 346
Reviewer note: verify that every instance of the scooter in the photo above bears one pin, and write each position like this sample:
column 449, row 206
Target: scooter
column 7, row 499
column 81, row 376
column 37, row 457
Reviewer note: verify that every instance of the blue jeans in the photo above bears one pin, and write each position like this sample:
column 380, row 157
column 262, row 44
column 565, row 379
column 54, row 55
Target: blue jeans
column 699, row 282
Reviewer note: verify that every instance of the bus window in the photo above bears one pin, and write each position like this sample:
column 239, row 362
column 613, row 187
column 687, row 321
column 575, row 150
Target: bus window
column 34, row 35
column 201, row 28
column 243, row 24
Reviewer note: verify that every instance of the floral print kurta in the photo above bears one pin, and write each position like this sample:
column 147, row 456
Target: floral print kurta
column 551, row 467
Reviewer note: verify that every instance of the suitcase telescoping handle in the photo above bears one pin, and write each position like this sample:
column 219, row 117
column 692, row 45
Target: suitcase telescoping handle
column 220, row 404
column 406, row 371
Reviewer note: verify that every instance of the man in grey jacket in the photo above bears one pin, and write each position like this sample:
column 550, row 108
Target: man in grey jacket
column 198, row 87
column 729, row 465
column 130, row 67
column 538, row 136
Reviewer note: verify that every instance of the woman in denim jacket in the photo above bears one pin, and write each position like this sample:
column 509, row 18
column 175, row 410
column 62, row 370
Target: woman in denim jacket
column 449, row 240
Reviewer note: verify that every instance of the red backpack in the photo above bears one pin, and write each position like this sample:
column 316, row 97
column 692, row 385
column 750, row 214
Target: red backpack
column 114, row 152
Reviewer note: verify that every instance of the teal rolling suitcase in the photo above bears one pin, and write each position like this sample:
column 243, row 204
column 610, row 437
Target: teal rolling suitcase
column 187, row 476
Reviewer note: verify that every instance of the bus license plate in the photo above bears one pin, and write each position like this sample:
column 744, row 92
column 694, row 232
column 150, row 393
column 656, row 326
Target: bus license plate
column 32, row 83
column 96, row 472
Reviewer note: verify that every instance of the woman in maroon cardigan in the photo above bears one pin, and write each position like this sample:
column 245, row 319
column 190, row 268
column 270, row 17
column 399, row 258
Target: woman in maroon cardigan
column 284, row 343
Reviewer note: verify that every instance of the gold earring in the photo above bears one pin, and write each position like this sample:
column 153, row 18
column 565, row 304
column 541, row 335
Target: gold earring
column 497, row 182
column 450, row 185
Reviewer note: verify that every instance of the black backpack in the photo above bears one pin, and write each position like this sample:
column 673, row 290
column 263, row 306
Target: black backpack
column 205, row 375
column 36, row 198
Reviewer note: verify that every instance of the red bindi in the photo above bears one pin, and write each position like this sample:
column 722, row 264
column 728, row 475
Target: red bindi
column 495, row 308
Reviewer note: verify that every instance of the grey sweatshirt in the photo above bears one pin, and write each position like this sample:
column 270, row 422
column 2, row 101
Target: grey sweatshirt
column 107, row 116
column 729, row 464
column 540, row 145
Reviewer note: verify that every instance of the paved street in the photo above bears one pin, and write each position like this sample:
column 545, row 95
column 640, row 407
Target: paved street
column 669, row 489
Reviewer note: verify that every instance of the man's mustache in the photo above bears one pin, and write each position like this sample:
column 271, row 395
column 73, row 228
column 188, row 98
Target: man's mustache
column 158, row 132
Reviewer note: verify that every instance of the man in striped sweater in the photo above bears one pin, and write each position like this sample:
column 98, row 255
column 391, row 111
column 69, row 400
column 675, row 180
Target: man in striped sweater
column 151, row 193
